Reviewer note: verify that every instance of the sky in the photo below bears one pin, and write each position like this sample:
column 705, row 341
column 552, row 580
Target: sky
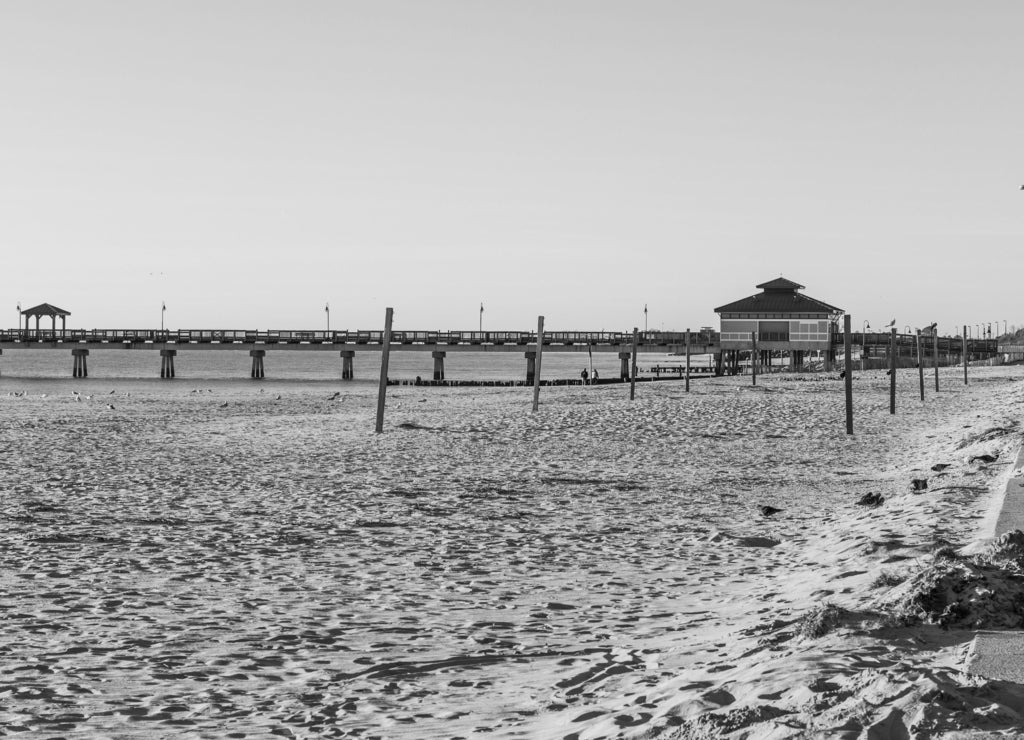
column 247, row 163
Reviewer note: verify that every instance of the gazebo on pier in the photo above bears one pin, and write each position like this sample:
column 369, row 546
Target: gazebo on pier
column 779, row 318
column 45, row 309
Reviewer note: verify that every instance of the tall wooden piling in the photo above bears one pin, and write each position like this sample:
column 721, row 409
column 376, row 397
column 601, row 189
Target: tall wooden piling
column 632, row 373
column 385, row 355
column 848, row 367
column 892, row 371
column 920, row 363
column 687, row 359
column 540, row 352
column 967, row 357
column 935, row 357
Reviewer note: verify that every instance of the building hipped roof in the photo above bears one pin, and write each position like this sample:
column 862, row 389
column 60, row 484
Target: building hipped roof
column 778, row 296
column 45, row 309
column 780, row 283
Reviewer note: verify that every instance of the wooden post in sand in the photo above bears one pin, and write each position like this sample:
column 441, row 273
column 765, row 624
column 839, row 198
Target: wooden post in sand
column 384, row 357
column 935, row 356
column 536, row 371
column 920, row 363
column 753, row 355
column 632, row 371
column 848, row 369
column 965, row 353
column 687, row 359
column 892, row 371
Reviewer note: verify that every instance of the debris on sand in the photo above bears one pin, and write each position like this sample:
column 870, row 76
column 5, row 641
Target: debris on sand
column 980, row 591
column 871, row 499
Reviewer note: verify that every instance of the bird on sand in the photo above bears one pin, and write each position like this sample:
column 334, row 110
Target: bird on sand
column 769, row 510
column 335, row 397
column 110, row 406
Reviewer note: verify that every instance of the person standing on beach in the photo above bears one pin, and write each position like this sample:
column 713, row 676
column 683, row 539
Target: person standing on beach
column 593, row 378
column 584, row 376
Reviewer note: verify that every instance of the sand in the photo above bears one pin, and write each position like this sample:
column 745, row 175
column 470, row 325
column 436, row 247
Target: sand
column 250, row 558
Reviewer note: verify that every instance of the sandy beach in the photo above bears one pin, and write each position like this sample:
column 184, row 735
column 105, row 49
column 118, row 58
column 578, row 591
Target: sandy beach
column 198, row 560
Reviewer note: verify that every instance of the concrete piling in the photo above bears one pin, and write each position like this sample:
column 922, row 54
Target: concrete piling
column 347, row 371
column 438, row 364
column 624, row 358
column 80, row 368
column 167, row 362
column 257, row 356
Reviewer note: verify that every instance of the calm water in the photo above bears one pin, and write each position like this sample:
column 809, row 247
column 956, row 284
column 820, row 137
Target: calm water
column 315, row 365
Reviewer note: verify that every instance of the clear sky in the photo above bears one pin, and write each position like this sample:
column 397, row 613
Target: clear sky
column 249, row 162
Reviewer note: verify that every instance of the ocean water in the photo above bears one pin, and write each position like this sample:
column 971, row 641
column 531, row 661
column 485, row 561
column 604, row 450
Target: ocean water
column 288, row 365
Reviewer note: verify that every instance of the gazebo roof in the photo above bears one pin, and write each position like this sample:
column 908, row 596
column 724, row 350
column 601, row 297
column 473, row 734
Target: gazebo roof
column 45, row 309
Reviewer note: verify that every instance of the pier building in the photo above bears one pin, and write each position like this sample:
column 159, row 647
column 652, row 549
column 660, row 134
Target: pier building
column 779, row 318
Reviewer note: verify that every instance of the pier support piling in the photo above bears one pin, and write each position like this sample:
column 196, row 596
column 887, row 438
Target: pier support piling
column 531, row 366
column 257, row 356
column 624, row 365
column 347, row 370
column 167, row 362
column 80, row 367
column 438, row 364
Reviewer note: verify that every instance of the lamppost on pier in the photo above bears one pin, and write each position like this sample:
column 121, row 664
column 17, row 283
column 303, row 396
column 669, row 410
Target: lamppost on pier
column 19, row 316
column 163, row 310
column 906, row 329
column 1005, row 331
column 481, row 317
column 645, row 318
column 327, row 310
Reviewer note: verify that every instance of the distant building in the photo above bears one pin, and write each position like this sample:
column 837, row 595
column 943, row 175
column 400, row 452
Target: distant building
column 782, row 318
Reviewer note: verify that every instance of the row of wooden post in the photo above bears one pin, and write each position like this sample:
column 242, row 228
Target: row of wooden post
column 892, row 368
column 386, row 352
column 847, row 350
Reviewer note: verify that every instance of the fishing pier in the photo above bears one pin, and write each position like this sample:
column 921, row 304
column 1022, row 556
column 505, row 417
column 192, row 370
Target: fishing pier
column 173, row 345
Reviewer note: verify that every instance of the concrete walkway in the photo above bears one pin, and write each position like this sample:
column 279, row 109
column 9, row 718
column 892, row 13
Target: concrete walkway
column 1000, row 655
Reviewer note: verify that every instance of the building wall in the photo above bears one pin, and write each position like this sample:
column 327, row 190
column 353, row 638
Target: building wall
column 799, row 330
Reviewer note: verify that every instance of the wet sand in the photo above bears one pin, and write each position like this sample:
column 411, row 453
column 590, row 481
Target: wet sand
column 196, row 561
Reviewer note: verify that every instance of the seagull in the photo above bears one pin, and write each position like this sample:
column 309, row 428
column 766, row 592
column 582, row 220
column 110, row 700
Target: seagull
column 224, row 405
column 891, row 324
column 769, row 510
column 110, row 406
column 337, row 394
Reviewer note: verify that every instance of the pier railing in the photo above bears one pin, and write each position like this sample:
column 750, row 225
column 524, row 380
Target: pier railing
column 450, row 338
